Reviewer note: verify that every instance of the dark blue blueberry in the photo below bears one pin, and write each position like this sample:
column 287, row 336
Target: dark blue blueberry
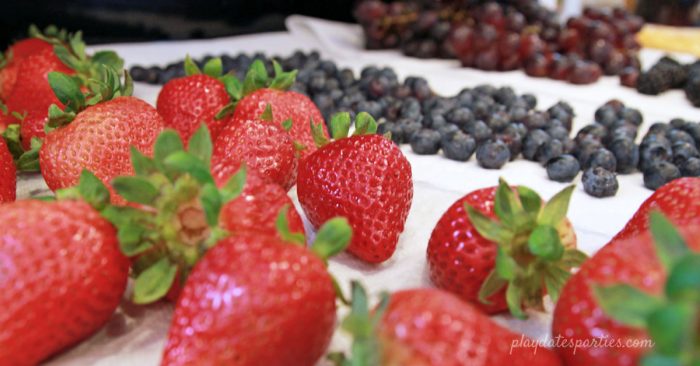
column 492, row 154
column 557, row 132
column 595, row 131
column 652, row 153
column 324, row 102
column 395, row 130
column 331, row 84
column 549, row 151
column 563, row 168
column 447, row 131
column 530, row 100
column 557, row 112
column 514, row 142
column 317, row 82
column 585, row 148
column 435, row 121
column 659, row 128
column 505, row 96
column 518, row 114
column 479, row 130
column 676, row 135
column 659, row 174
column 602, row 158
column 465, row 98
column 536, row 120
column 460, row 116
column 693, row 129
column 606, row 115
column 533, row 141
column 410, row 109
column 566, row 107
column 458, row 146
column 425, row 142
column 499, row 121
column 378, row 87
column 626, row 154
column 516, row 128
column 370, row 106
column 420, row 89
column 481, row 109
column 346, row 78
column 401, row 92
column 486, row 90
column 626, row 130
column 683, row 151
column 337, row 94
column 691, row 167
column 599, row 182
column 410, row 128
column 369, row 71
column 678, row 123
column 329, row 67
column 138, row 73
column 633, row 116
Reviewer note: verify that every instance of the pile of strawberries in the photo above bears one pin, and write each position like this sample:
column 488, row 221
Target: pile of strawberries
column 189, row 199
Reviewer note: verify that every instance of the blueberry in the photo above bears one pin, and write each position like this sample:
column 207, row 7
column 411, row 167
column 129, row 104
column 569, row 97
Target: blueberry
column 549, row 151
column 556, row 131
column 481, row 109
column 586, row 148
column 505, row 95
column 317, row 82
column 683, row 151
column 652, row 153
column 659, row 128
column 425, row 142
column 566, row 107
column 460, row 116
column 514, row 142
column 691, row 167
column 486, row 90
column 693, row 129
column 606, row 115
column 498, row 121
column 518, row 114
column 677, row 123
column 659, row 174
column 329, row 68
column 599, row 182
column 534, row 140
column 153, row 75
column 516, row 128
column 602, row 158
column 138, row 73
column 556, row 112
column 595, row 130
column 370, row 106
column 410, row 128
column 536, row 120
column 435, row 121
column 465, row 98
column 530, row 100
column 633, row 116
column 626, row 155
column 676, row 135
column 395, row 130
column 447, row 131
column 420, row 89
column 479, row 130
column 401, row 92
column 346, row 78
column 492, row 154
column 459, row 146
column 563, row 168
column 626, row 130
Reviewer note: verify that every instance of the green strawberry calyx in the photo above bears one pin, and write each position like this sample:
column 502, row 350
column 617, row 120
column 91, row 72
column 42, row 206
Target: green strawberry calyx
column 256, row 78
column 531, row 257
column 671, row 319
column 70, row 49
column 361, row 323
column 25, row 160
column 68, row 89
column 173, row 215
column 365, row 124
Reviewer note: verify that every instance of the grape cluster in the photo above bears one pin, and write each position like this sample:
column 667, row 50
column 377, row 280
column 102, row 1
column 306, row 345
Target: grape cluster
column 507, row 35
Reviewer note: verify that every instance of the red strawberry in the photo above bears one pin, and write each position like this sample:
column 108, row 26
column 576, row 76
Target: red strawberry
column 8, row 174
column 62, row 277
column 8, row 62
column 365, row 178
column 257, row 294
column 678, row 199
column 430, row 327
column 578, row 316
column 186, row 102
column 32, row 95
column 100, row 137
column 464, row 246
column 264, row 147
column 259, row 91
column 177, row 212
column 257, row 208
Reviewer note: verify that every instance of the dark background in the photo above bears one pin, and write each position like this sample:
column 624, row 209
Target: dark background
column 143, row 20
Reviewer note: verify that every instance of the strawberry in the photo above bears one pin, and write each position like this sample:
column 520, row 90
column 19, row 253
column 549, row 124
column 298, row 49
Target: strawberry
column 678, row 199
column 8, row 174
column 431, row 327
column 279, row 302
column 365, row 178
column 186, row 102
column 176, row 212
column 263, row 145
column 32, row 95
column 259, row 90
column 62, row 276
column 581, row 315
column 502, row 248
column 9, row 61
column 96, row 132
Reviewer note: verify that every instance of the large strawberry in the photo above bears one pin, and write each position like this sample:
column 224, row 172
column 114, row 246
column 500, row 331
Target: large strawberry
column 266, row 302
column 177, row 212
column 503, row 248
column 62, row 275
column 10, row 59
column 8, row 174
column 31, row 94
column 259, row 90
column 365, row 178
column 186, row 102
column 430, row 327
column 679, row 200
column 638, row 264
column 96, row 131
column 264, row 146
